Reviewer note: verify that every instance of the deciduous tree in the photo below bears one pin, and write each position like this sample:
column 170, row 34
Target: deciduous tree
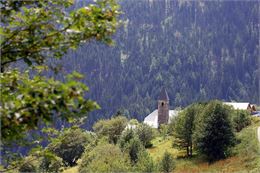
column 105, row 158
column 184, row 127
column 112, row 128
column 70, row 144
column 32, row 31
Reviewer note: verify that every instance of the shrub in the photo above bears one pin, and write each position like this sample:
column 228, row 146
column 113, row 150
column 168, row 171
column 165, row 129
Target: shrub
column 145, row 134
column 167, row 163
column 45, row 162
column 50, row 163
column 105, row 158
column 164, row 130
column 125, row 138
column 241, row 119
column 134, row 147
column 111, row 128
column 29, row 164
column 70, row 145
column 145, row 163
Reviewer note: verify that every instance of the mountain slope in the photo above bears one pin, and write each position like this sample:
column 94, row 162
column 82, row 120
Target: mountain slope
column 198, row 50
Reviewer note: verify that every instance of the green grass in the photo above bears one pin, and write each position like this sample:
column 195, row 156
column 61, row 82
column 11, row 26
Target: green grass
column 71, row 169
column 245, row 155
column 160, row 146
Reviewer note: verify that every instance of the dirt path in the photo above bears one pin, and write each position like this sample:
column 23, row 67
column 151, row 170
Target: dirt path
column 258, row 134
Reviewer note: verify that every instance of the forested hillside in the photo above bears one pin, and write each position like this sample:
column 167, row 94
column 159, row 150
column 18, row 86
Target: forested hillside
column 198, row 50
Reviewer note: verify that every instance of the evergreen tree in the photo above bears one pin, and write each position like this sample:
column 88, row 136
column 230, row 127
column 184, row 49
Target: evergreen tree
column 214, row 134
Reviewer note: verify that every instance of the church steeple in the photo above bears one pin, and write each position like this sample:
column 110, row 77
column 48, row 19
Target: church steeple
column 163, row 107
column 163, row 95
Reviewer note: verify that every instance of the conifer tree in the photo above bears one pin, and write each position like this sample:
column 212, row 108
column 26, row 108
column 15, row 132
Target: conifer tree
column 214, row 134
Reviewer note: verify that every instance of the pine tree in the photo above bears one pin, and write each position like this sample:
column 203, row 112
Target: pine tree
column 214, row 134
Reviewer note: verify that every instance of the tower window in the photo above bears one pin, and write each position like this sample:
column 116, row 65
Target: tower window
column 162, row 103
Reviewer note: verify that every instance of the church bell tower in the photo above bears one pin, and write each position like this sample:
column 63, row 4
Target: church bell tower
column 163, row 107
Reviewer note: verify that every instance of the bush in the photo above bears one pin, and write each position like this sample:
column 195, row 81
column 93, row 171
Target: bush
column 45, row 162
column 134, row 147
column 145, row 134
column 126, row 137
column 29, row 164
column 130, row 142
column 70, row 145
column 111, row 128
column 145, row 163
column 167, row 163
column 105, row 158
column 241, row 119
column 50, row 163
column 164, row 130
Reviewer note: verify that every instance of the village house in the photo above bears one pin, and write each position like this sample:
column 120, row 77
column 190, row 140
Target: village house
column 163, row 114
column 242, row 106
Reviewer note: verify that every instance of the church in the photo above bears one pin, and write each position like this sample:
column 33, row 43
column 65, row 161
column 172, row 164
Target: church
column 163, row 114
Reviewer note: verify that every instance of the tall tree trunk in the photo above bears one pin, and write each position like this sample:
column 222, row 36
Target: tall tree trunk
column 191, row 150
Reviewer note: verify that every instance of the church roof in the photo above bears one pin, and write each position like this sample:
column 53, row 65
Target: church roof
column 163, row 95
column 152, row 118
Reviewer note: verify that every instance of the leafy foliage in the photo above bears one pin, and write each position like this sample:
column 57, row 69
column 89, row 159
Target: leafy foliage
column 184, row 127
column 50, row 163
column 138, row 130
column 70, row 144
column 105, row 158
column 27, row 102
column 125, row 138
column 145, row 163
column 213, row 132
column 164, row 130
column 44, row 161
column 32, row 32
column 111, row 128
column 36, row 30
column 129, row 142
column 241, row 119
column 145, row 134
column 134, row 148
column 29, row 164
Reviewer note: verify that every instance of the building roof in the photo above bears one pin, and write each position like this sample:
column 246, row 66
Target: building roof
column 163, row 95
column 241, row 105
column 152, row 118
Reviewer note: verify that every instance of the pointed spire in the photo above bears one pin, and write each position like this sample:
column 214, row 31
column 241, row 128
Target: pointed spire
column 163, row 95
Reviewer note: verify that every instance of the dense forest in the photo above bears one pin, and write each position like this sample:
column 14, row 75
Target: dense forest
column 201, row 52
column 198, row 50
